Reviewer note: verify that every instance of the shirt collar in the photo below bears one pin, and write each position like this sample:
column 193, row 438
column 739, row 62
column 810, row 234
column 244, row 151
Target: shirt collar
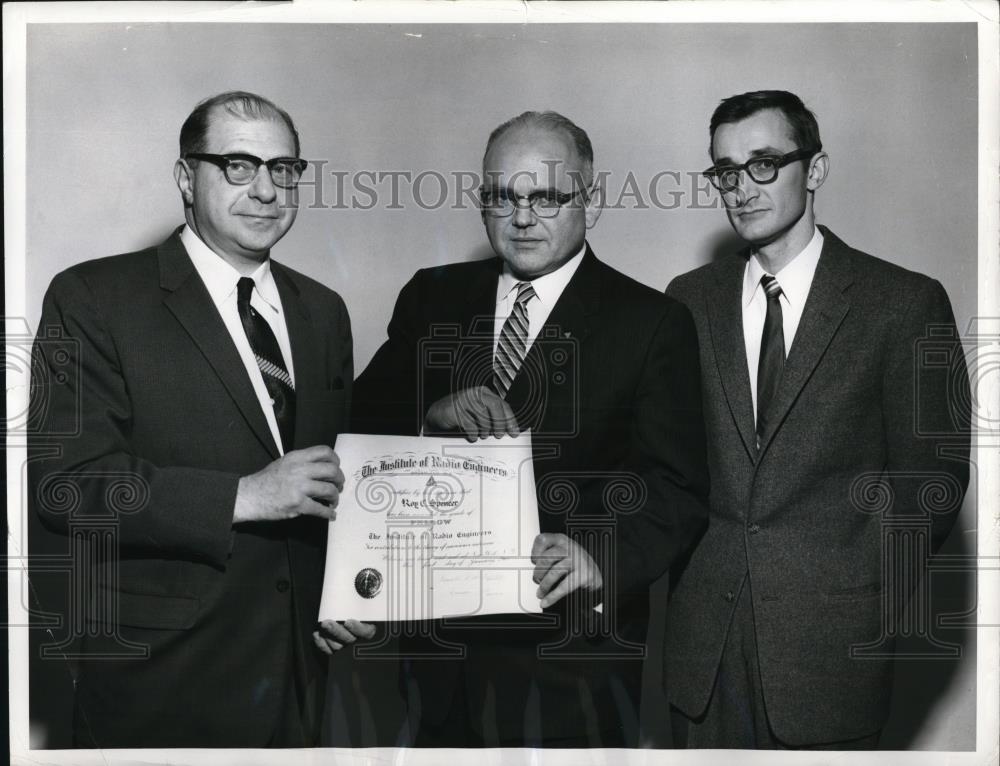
column 220, row 278
column 548, row 287
column 795, row 278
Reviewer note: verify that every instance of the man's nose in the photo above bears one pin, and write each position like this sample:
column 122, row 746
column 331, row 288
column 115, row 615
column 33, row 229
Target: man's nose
column 262, row 187
column 744, row 190
column 524, row 216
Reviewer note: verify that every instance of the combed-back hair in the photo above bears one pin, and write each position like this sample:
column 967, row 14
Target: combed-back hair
column 550, row 121
column 239, row 103
column 805, row 129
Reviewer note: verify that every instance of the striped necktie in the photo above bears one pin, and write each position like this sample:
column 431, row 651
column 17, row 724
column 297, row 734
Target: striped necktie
column 270, row 361
column 512, row 346
column 772, row 352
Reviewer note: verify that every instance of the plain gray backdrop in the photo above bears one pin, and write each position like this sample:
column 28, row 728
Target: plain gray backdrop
column 896, row 104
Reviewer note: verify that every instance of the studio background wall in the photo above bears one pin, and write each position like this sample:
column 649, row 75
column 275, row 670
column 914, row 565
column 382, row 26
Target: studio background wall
column 896, row 103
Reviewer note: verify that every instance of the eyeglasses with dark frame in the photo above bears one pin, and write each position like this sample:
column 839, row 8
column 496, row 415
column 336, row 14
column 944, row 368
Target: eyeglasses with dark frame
column 762, row 170
column 545, row 203
column 241, row 169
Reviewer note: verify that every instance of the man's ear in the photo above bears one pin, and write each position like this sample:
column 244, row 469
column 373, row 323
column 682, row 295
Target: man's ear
column 819, row 167
column 595, row 204
column 185, row 181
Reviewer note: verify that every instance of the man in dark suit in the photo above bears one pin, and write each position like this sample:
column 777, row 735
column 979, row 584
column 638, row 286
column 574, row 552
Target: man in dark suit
column 197, row 442
column 604, row 371
column 817, row 406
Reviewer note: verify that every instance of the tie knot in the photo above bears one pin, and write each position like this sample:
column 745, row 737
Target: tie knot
column 244, row 288
column 525, row 292
column 771, row 286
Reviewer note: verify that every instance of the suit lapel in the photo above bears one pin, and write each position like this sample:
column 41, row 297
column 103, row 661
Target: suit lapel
column 474, row 365
column 823, row 314
column 190, row 303
column 481, row 301
column 569, row 323
column 308, row 369
column 570, row 317
column 725, row 313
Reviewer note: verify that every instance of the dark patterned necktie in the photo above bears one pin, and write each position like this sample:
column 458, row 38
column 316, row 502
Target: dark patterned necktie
column 772, row 352
column 513, row 342
column 270, row 361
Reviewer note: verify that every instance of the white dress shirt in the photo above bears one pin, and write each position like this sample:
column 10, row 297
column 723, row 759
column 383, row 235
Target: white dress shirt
column 548, row 288
column 795, row 280
column 220, row 278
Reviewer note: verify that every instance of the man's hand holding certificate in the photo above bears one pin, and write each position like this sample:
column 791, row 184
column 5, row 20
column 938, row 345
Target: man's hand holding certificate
column 436, row 527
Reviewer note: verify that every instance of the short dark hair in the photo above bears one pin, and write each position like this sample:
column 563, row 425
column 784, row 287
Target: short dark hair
column 805, row 129
column 550, row 121
column 239, row 103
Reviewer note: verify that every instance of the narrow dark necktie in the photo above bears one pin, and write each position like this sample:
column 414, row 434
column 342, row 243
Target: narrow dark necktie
column 270, row 361
column 512, row 346
column 772, row 353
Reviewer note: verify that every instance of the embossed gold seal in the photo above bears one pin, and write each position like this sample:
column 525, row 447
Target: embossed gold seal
column 368, row 583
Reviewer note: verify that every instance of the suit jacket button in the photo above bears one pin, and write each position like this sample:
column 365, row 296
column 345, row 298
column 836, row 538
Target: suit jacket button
column 753, row 529
column 282, row 585
column 729, row 596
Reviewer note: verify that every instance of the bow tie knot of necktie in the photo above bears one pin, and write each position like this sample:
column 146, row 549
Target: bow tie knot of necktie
column 271, row 363
column 772, row 352
column 513, row 342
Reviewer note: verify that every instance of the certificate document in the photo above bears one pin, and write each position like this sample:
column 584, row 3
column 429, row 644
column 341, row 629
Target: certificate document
column 431, row 527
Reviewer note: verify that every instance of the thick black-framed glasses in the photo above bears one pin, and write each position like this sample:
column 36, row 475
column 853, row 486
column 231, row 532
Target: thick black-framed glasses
column 240, row 169
column 545, row 203
column 762, row 170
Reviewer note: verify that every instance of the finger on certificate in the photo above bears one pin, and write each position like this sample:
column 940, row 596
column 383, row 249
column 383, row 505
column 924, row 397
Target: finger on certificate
column 325, row 645
column 360, row 629
column 324, row 492
column 502, row 419
column 336, row 631
column 546, row 560
column 564, row 588
column 314, row 508
column 482, row 409
column 543, row 542
column 470, row 413
column 556, row 573
column 512, row 427
column 468, row 425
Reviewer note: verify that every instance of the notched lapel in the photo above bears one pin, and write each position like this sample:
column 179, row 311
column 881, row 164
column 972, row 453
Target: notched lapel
column 308, row 362
column 724, row 308
column 544, row 383
column 190, row 303
column 824, row 312
column 473, row 364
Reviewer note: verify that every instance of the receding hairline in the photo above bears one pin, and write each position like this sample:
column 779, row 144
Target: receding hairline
column 267, row 114
column 585, row 167
column 241, row 105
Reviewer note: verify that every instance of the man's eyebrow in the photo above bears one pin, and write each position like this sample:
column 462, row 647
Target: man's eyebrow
column 767, row 151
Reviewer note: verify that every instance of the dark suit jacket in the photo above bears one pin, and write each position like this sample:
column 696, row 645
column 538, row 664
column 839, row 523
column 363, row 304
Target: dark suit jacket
column 147, row 438
column 858, row 400
column 610, row 390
